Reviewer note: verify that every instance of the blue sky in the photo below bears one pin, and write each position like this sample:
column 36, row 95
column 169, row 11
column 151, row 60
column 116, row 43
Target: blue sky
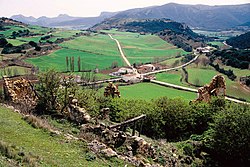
column 86, row 8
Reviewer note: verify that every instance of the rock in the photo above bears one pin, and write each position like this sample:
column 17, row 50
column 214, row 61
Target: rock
column 109, row 153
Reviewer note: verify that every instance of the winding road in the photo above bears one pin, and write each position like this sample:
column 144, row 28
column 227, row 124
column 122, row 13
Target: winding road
column 168, row 69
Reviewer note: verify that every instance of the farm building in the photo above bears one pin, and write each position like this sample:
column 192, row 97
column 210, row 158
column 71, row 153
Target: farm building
column 146, row 68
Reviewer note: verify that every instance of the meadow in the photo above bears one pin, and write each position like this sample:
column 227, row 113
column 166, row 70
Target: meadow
column 148, row 91
column 204, row 76
column 57, row 60
column 98, row 44
column 147, row 48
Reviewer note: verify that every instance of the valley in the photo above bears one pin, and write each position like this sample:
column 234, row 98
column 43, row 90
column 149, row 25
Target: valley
column 140, row 87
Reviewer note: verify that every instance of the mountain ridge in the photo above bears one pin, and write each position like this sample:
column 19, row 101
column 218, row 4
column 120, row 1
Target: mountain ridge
column 218, row 17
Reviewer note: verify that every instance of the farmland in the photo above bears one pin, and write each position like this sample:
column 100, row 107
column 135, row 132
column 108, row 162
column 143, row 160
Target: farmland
column 146, row 48
column 148, row 91
column 56, row 60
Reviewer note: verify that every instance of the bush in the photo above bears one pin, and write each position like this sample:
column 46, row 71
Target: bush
column 229, row 136
column 48, row 88
column 167, row 118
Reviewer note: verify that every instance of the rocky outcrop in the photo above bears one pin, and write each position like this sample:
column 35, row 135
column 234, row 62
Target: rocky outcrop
column 217, row 87
column 19, row 91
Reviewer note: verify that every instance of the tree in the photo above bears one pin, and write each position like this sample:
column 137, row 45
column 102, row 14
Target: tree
column 48, row 87
column 73, row 64
column 67, row 63
column 3, row 42
column 79, row 63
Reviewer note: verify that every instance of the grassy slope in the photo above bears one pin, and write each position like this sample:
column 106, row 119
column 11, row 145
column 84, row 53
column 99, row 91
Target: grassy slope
column 145, row 48
column 173, row 77
column 150, row 91
column 52, row 150
column 205, row 76
column 99, row 44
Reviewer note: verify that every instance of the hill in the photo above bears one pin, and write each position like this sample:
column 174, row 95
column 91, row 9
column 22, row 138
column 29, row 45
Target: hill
column 176, row 33
column 197, row 16
column 241, row 41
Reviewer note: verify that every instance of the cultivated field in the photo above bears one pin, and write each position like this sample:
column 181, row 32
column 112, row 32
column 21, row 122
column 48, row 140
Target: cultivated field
column 148, row 91
column 146, row 48
column 57, row 60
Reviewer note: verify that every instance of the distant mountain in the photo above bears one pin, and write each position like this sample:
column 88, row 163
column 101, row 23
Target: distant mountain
column 241, row 41
column 247, row 24
column 196, row 16
column 63, row 20
column 176, row 33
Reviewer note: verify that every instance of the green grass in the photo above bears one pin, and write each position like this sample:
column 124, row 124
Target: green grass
column 148, row 91
column 220, row 44
column 64, row 33
column 173, row 77
column 171, row 61
column 14, row 70
column 238, row 72
column 204, row 76
column 15, row 42
column 57, row 60
column 7, row 33
column 27, row 39
column 99, row 44
column 146, row 48
column 53, row 150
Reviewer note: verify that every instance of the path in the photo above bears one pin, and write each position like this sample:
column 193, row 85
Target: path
column 120, row 50
column 174, row 68
column 192, row 90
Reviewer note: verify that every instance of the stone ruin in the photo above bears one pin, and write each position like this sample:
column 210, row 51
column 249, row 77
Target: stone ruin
column 217, row 87
column 112, row 90
column 19, row 91
column 76, row 113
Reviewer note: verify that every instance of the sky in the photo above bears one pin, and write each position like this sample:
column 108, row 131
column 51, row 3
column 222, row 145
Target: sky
column 88, row 8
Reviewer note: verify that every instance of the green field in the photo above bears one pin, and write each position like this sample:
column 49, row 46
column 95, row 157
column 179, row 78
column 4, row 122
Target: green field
column 57, row 60
column 14, row 70
column 204, row 76
column 15, row 42
column 51, row 150
column 171, row 62
column 98, row 44
column 220, row 44
column 146, row 48
column 148, row 91
column 173, row 77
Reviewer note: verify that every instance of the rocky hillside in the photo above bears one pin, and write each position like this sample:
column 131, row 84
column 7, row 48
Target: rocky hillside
column 176, row 33
column 197, row 16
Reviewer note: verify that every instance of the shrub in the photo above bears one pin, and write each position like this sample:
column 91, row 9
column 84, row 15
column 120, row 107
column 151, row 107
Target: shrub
column 229, row 135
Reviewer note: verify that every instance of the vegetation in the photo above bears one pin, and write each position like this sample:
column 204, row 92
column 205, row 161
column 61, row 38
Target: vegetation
column 232, row 57
column 241, row 41
column 149, row 91
column 37, row 147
